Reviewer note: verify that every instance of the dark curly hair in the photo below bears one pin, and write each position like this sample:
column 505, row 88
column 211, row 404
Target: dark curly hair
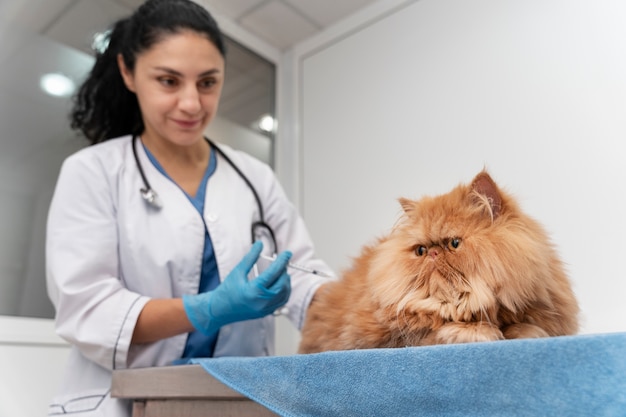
column 103, row 107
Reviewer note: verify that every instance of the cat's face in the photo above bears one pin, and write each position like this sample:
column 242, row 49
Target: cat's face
column 455, row 254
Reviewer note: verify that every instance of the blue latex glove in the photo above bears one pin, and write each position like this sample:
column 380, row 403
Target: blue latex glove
column 237, row 299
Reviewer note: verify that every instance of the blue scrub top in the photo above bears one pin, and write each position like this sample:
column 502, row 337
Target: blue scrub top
column 198, row 344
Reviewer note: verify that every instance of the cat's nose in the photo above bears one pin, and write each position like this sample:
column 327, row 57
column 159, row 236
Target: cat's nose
column 433, row 252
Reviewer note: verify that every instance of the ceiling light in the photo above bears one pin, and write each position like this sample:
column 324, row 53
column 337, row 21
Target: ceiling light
column 57, row 85
column 267, row 123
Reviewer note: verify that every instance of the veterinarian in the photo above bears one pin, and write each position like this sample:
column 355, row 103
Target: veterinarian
column 149, row 255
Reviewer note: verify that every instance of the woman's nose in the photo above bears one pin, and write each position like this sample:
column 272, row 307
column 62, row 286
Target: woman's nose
column 189, row 100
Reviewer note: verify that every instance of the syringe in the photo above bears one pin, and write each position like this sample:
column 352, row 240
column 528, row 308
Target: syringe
column 299, row 267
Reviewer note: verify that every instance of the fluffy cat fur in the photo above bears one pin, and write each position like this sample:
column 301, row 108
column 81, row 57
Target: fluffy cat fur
column 466, row 266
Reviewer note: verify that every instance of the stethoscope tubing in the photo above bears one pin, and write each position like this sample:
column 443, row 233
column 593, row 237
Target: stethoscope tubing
column 152, row 198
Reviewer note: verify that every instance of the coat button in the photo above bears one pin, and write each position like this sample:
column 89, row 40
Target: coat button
column 211, row 217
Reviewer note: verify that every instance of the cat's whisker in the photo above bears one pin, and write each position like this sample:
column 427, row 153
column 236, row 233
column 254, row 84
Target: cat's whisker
column 458, row 274
column 484, row 316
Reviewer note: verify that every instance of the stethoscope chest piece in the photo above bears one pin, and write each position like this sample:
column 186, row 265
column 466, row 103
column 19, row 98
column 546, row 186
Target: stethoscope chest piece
column 151, row 197
column 148, row 194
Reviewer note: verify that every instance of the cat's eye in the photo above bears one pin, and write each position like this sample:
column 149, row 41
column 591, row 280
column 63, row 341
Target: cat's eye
column 420, row 250
column 454, row 243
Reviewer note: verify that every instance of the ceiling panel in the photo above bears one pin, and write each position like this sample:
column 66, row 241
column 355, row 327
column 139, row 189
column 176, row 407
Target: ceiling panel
column 279, row 24
column 78, row 25
column 327, row 12
column 233, row 9
column 283, row 23
column 21, row 13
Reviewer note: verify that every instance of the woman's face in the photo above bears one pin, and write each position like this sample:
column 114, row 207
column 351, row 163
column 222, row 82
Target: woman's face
column 178, row 83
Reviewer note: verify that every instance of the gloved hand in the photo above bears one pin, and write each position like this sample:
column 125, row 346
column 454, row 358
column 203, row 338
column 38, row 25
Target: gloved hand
column 237, row 299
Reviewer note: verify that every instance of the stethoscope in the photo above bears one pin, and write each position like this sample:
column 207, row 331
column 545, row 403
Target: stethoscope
column 152, row 198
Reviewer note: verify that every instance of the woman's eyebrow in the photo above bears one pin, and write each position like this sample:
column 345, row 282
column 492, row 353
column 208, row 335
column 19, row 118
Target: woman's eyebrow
column 179, row 74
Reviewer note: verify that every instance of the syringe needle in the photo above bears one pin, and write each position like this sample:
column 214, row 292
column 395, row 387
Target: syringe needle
column 299, row 267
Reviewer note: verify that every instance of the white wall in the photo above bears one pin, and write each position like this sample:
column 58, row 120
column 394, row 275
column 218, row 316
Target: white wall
column 412, row 97
column 224, row 131
column 31, row 361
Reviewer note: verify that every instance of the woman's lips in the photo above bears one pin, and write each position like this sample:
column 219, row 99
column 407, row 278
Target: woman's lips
column 187, row 124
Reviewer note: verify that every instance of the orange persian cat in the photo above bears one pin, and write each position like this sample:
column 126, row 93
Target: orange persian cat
column 466, row 266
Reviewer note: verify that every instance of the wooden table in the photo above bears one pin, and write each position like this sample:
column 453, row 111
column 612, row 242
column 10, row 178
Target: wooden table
column 181, row 391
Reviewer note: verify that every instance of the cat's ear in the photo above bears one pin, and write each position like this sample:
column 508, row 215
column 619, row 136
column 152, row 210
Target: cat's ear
column 407, row 205
column 485, row 189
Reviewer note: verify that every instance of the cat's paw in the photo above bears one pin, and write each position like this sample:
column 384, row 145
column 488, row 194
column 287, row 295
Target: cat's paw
column 523, row 331
column 468, row 332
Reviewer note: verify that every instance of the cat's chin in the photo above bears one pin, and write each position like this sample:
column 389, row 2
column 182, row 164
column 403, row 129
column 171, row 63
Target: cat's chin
column 465, row 333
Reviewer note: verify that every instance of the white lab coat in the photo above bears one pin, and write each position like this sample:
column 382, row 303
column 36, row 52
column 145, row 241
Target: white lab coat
column 108, row 253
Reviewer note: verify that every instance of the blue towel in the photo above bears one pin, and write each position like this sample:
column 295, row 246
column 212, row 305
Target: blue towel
column 581, row 375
